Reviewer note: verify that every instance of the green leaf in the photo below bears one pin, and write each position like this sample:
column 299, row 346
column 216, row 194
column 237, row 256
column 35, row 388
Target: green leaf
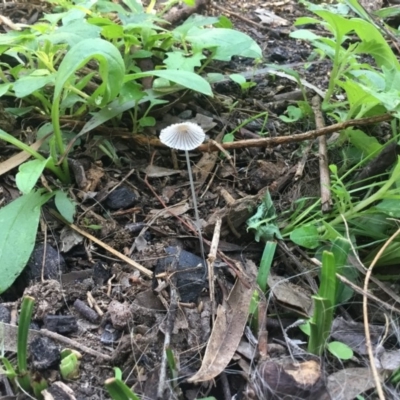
column 28, row 84
column 306, row 236
column 238, row 78
column 65, row 205
column 227, row 43
column 28, row 175
column 112, row 67
column 118, row 390
column 294, row 114
column 263, row 221
column 179, row 60
column 73, row 33
column 340, row 350
column 186, row 79
column 19, row 221
column 327, row 289
column 147, row 121
column 366, row 143
column 266, row 264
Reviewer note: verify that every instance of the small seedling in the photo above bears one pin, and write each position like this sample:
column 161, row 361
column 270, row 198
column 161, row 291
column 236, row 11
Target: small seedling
column 20, row 376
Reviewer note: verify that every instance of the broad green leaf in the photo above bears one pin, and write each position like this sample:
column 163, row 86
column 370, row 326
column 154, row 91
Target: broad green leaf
column 65, row 205
column 194, row 20
column 179, row 60
column 73, row 33
column 4, row 88
column 238, row 78
column 111, row 70
column 390, row 207
column 306, row 236
column 19, row 221
column 26, row 85
column 28, row 175
column 304, row 34
column 187, row 79
column 366, row 143
column 227, row 43
column 340, row 350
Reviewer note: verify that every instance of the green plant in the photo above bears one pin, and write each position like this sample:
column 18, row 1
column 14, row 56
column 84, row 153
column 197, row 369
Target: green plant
column 69, row 366
column 263, row 224
column 242, row 82
column 117, row 389
column 81, row 62
column 319, row 326
column 21, row 376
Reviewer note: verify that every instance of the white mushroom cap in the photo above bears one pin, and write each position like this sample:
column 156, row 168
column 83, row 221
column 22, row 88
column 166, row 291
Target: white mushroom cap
column 183, row 136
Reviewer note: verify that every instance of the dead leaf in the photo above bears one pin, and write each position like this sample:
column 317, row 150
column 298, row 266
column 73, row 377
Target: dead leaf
column 353, row 334
column 227, row 332
column 153, row 171
column 69, row 238
column 177, row 209
column 20, row 157
column 278, row 379
column 348, row 383
column 290, row 295
column 270, row 18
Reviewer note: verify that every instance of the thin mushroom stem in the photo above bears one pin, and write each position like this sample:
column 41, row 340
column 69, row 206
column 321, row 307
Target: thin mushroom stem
column 196, row 211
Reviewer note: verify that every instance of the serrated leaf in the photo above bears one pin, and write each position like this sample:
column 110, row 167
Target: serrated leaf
column 65, row 205
column 19, row 222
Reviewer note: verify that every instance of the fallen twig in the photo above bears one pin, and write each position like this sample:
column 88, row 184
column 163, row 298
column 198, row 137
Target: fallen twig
column 324, row 176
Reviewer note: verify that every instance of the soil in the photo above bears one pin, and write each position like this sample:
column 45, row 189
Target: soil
column 141, row 207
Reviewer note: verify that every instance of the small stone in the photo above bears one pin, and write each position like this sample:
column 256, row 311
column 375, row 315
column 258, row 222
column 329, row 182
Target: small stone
column 110, row 335
column 45, row 353
column 86, row 311
column 190, row 273
column 62, row 324
column 120, row 198
column 120, row 314
column 101, row 273
column 5, row 314
column 54, row 263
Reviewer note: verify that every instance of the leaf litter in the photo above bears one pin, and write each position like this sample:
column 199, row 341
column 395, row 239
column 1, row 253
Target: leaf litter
column 139, row 305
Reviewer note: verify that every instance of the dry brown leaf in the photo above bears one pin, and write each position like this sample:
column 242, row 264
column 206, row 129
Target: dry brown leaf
column 348, row 383
column 20, row 157
column 290, row 295
column 227, row 332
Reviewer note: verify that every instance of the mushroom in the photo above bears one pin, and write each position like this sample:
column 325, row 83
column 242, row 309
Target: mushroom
column 186, row 136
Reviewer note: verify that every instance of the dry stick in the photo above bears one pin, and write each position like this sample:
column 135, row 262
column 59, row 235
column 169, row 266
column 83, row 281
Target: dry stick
column 173, row 307
column 212, row 255
column 324, row 177
column 73, row 343
column 365, row 314
column 279, row 140
column 105, row 246
column 301, row 164
column 239, row 16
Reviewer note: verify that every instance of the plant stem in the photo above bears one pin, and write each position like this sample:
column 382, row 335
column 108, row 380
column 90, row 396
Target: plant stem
column 196, row 211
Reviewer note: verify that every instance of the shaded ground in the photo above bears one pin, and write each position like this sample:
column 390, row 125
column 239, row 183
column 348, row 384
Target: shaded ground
column 125, row 205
